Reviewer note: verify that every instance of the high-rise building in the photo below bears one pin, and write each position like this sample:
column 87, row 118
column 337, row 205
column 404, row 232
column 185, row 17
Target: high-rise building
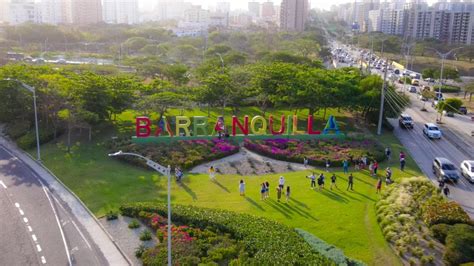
column 51, row 11
column 171, row 9
column 4, row 8
column 195, row 14
column 254, row 9
column 86, row 12
column 21, row 11
column 120, row 11
column 293, row 15
column 268, row 10
column 223, row 7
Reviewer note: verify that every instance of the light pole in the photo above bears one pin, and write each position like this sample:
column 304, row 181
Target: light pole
column 382, row 94
column 408, row 47
column 166, row 171
column 443, row 57
column 31, row 89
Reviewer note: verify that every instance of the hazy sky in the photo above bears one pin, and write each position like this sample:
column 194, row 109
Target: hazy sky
column 242, row 4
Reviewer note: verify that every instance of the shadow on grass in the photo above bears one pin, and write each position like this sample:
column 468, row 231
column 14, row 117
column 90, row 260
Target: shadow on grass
column 221, row 186
column 300, row 211
column 334, row 196
column 363, row 195
column 188, row 190
column 300, row 203
column 277, row 206
column 254, row 203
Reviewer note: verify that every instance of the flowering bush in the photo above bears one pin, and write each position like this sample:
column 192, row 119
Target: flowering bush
column 184, row 153
column 441, row 212
column 317, row 151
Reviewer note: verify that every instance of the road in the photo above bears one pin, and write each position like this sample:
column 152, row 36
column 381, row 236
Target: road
column 37, row 228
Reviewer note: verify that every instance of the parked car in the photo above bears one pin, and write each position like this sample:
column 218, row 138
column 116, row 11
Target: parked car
column 429, row 80
column 405, row 121
column 432, row 131
column 445, row 170
column 412, row 89
column 415, row 82
column 467, row 170
column 463, row 110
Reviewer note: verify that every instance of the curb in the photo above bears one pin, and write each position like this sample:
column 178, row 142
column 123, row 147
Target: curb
column 39, row 163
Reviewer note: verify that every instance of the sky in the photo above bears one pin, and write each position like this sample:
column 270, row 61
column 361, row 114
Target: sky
column 242, row 4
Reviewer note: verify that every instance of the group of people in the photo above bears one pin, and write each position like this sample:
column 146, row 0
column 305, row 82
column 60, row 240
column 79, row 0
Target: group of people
column 321, row 180
column 265, row 189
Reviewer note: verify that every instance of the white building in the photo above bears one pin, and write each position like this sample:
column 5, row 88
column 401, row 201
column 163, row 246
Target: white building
column 22, row 11
column 120, row 11
column 4, row 8
column 51, row 11
column 171, row 9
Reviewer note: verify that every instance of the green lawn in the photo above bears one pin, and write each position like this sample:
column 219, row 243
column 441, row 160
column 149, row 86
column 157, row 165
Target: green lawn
column 345, row 219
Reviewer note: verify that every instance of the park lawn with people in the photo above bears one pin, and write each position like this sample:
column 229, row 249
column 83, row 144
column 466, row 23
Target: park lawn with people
column 343, row 218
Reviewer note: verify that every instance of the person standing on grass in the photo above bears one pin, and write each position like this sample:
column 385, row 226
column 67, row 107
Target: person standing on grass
column 281, row 182
column 287, row 193
column 388, row 176
column 371, row 169
column 333, row 181
column 402, row 160
column 379, row 185
column 350, row 182
column 267, row 189
column 279, row 189
column 388, row 153
column 212, row 173
column 321, row 181
column 364, row 162
column 446, row 191
column 305, row 162
column 262, row 191
column 345, row 166
column 376, row 167
column 328, row 164
column 313, row 180
column 242, row 187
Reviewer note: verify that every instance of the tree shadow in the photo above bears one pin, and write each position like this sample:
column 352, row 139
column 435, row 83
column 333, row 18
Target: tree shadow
column 254, row 203
column 221, row 186
column 188, row 190
column 18, row 171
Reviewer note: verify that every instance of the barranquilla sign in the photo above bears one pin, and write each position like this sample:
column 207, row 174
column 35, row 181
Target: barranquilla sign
column 201, row 127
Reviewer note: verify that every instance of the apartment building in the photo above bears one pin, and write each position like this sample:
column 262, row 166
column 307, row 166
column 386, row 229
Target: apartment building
column 293, row 15
column 120, row 11
column 86, row 12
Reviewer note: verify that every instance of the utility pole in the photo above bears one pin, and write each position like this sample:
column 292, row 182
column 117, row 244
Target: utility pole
column 407, row 55
column 382, row 94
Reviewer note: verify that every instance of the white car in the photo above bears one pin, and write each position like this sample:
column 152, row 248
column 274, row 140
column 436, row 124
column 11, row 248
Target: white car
column 432, row 131
column 467, row 170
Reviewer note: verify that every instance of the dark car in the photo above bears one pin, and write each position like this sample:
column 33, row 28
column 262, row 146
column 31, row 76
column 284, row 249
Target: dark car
column 445, row 170
column 463, row 110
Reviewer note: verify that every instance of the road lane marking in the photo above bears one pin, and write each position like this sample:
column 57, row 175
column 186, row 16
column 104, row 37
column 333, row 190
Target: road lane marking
column 17, row 204
column 34, row 238
column 58, row 222
column 25, row 219
column 38, row 247
column 43, row 260
column 3, row 184
column 21, row 212
column 30, row 229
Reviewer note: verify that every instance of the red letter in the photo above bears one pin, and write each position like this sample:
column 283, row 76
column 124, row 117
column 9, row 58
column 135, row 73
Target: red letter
column 146, row 126
column 310, row 126
column 282, row 127
column 244, row 129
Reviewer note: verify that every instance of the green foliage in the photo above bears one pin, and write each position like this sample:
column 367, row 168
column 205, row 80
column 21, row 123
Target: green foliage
column 459, row 245
column 145, row 235
column 329, row 251
column 447, row 88
column 448, row 73
column 133, row 224
column 443, row 212
column 440, row 231
column 283, row 246
column 111, row 216
column 140, row 250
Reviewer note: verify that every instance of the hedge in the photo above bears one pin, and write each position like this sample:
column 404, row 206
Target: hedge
column 267, row 242
column 447, row 89
column 329, row 251
column 436, row 212
column 459, row 245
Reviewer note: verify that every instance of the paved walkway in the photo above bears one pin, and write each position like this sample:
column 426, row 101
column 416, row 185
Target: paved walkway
column 94, row 230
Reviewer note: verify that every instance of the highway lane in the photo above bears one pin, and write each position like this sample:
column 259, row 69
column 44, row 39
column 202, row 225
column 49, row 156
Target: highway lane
column 37, row 228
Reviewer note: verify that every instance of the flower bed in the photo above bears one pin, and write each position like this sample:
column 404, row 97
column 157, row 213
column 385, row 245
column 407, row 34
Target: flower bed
column 263, row 241
column 185, row 153
column 317, row 151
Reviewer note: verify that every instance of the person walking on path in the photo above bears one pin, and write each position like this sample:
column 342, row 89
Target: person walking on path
column 376, row 167
column 345, row 166
column 388, row 176
column 313, row 180
column 242, row 187
column 305, row 162
column 441, row 185
column 279, row 189
column 388, row 153
column 333, row 181
column 402, row 160
column 379, row 185
column 267, row 189
column 350, row 182
column 328, row 164
column 446, row 191
column 321, row 181
column 262, row 191
column 281, row 182
column 212, row 173
column 287, row 193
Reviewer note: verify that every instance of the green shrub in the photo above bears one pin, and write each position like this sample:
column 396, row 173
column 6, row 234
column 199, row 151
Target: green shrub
column 447, row 88
column 442, row 212
column 459, row 245
column 111, row 216
column 329, row 251
column 133, row 224
column 284, row 246
column 440, row 232
column 425, row 260
column 139, row 251
column 145, row 235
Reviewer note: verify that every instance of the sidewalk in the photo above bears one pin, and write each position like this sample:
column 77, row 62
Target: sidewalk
column 97, row 233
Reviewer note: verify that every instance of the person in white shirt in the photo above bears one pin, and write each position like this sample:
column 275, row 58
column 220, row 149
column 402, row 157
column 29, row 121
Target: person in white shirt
column 281, row 182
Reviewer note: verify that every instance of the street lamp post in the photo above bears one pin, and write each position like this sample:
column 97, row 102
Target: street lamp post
column 31, row 89
column 382, row 94
column 166, row 171
column 408, row 47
